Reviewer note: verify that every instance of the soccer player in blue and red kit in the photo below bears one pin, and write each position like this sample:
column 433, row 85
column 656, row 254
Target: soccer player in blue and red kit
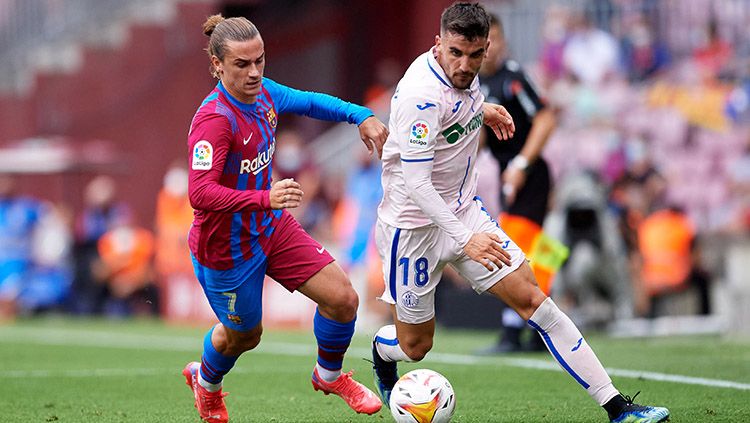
column 241, row 231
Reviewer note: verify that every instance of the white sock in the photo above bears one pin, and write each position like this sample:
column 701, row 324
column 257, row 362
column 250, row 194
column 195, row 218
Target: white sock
column 387, row 345
column 210, row 387
column 327, row 375
column 572, row 352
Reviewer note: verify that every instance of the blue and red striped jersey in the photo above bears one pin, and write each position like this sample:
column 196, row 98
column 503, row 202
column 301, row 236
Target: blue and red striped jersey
column 231, row 146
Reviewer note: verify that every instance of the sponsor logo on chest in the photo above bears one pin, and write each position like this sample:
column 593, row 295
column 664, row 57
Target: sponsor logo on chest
column 260, row 162
column 454, row 132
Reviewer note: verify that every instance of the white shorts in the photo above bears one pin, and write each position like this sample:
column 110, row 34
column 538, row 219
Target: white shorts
column 413, row 262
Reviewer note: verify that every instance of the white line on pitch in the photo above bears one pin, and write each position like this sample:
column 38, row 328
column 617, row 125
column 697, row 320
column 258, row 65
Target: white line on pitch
column 101, row 339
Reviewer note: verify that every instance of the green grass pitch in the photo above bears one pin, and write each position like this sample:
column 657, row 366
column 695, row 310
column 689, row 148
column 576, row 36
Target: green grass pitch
column 129, row 371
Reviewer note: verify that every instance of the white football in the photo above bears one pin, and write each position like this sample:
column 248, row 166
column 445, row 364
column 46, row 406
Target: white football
column 422, row 396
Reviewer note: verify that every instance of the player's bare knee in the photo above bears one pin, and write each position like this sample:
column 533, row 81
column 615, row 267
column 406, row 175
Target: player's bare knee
column 529, row 302
column 243, row 341
column 418, row 349
column 343, row 307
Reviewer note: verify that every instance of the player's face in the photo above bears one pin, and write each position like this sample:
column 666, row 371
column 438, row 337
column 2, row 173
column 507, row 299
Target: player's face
column 460, row 58
column 241, row 70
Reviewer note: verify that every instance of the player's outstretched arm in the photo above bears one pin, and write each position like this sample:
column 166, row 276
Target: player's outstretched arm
column 485, row 249
column 373, row 133
column 499, row 120
column 285, row 194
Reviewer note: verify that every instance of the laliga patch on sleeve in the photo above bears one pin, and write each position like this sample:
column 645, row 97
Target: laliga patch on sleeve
column 418, row 134
column 203, row 155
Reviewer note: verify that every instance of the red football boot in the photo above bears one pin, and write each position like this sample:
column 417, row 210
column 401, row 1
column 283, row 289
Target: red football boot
column 356, row 395
column 210, row 405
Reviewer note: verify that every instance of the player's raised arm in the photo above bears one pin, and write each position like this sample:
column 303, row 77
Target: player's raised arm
column 327, row 107
column 499, row 120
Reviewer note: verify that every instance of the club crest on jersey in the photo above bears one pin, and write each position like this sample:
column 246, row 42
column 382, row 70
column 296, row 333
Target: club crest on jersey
column 271, row 118
column 203, row 155
column 237, row 320
column 409, row 299
column 418, row 136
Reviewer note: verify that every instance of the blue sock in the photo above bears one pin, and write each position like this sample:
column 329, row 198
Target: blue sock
column 333, row 340
column 214, row 365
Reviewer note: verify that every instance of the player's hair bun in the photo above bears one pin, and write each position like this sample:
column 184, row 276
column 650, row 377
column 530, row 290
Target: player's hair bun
column 211, row 23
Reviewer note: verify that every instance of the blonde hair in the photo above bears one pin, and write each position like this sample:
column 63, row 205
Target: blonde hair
column 220, row 30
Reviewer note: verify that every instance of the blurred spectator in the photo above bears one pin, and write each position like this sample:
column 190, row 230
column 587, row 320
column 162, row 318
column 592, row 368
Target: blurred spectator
column 125, row 268
column 101, row 213
column 713, row 54
column 666, row 241
column 174, row 215
column 34, row 247
column 554, row 37
column 739, row 186
column 590, row 54
column 638, row 192
column 291, row 160
column 642, row 54
column 354, row 224
column 594, row 284
column 48, row 284
column 387, row 73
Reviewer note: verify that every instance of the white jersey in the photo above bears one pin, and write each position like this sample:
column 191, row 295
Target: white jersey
column 430, row 121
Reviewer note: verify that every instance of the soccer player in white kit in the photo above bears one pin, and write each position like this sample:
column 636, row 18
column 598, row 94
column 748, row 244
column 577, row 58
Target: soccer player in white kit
column 430, row 216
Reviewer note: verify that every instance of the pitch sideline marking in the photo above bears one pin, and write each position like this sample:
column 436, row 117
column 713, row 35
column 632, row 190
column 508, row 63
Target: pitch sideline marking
column 93, row 338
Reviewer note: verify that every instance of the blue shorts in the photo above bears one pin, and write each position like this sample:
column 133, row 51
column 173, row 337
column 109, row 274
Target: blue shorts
column 235, row 295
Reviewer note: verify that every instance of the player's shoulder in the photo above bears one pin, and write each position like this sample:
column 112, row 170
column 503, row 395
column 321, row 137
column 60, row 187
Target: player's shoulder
column 415, row 87
column 213, row 114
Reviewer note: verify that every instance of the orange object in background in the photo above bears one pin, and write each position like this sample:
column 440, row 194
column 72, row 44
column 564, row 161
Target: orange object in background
column 126, row 254
column 174, row 215
column 665, row 243
column 545, row 254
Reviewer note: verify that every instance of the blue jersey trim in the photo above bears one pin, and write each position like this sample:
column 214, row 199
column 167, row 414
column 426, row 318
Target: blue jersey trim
column 234, row 238
column 437, row 75
column 484, row 209
column 557, row 355
column 248, row 107
column 392, row 273
column 461, row 189
column 417, row 160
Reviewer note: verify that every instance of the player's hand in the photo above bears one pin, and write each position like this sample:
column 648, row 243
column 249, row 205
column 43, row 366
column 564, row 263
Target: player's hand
column 499, row 120
column 485, row 249
column 513, row 180
column 373, row 133
column 286, row 194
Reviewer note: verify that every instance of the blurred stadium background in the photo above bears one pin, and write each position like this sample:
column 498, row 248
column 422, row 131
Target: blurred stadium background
column 96, row 97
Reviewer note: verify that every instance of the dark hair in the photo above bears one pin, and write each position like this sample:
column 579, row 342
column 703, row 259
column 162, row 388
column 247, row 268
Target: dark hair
column 469, row 20
column 220, row 30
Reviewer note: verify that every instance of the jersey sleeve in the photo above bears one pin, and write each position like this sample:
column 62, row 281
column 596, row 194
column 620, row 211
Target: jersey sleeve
column 417, row 119
column 315, row 105
column 209, row 141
